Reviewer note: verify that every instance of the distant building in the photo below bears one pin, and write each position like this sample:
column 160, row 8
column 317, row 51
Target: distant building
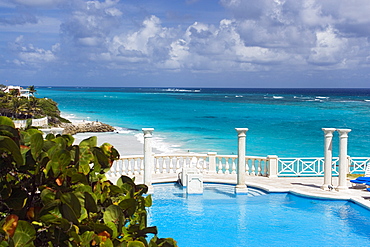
column 21, row 91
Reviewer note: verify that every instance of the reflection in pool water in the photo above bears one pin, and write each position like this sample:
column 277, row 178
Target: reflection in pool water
column 221, row 218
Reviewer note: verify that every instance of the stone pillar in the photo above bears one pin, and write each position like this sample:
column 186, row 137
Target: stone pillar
column 212, row 162
column 328, row 157
column 148, row 158
column 272, row 166
column 241, row 188
column 343, row 161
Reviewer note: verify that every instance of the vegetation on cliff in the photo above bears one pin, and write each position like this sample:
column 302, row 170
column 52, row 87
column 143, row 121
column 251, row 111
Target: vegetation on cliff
column 16, row 107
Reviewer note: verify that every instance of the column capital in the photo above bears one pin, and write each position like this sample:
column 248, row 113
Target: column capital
column 329, row 131
column 212, row 153
column 343, row 133
column 147, row 132
column 241, row 131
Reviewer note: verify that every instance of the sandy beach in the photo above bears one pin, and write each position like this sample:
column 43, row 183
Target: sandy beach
column 125, row 143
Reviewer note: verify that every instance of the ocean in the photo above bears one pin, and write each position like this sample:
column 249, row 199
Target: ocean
column 283, row 122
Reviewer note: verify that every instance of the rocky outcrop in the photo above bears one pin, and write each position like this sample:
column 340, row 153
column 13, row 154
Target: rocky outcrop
column 74, row 128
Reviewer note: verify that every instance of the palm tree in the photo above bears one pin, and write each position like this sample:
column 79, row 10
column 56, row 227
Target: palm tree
column 32, row 90
column 17, row 106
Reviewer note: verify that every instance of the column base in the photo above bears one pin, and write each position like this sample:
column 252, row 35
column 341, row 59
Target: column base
column 327, row 187
column 150, row 189
column 241, row 189
column 341, row 188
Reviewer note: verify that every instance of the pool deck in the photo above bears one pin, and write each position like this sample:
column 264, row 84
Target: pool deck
column 304, row 186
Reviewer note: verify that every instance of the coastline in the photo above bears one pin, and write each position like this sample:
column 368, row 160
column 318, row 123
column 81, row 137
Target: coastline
column 126, row 141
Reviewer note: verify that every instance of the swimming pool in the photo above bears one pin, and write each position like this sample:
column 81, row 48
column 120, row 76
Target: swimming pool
column 221, row 218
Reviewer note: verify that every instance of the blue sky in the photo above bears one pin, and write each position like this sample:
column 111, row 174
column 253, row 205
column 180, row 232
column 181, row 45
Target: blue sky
column 185, row 43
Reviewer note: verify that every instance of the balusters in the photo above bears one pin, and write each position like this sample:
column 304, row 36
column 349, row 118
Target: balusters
column 157, row 166
column 141, row 166
column 252, row 168
column 136, row 169
column 233, row 168
column 172, row 170
column 164, row 164
column 178, row 165
column 220, row 166
column 258, row 167
column 227, row 166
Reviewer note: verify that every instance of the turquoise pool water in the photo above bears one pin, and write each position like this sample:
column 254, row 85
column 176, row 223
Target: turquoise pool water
column 221, row 218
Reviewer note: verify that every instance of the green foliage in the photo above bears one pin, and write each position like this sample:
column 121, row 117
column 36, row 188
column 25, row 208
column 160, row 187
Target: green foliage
column 12, row 105
column 54, row 193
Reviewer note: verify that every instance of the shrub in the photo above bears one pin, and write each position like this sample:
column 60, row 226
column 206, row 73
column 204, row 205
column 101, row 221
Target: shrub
column 54, row 193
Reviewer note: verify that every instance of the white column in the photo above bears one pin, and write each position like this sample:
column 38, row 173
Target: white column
column 241, row 188
column 328, row 157
column 148, row 158
column 212, row 162
column 343, row 161
column 272, row 166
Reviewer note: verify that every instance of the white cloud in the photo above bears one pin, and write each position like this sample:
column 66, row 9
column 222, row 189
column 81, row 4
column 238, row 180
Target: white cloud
column 329, row 49
column 38, row 3
column 258, row 35
column 33, row 56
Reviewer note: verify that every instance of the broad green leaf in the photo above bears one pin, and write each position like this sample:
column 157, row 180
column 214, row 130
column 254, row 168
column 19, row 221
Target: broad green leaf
column 61, row 142
column 48, row 145
column 125, row 180
column 50, row 137
column 69, row 213
column 151, row 229
column 114, row 214
column 90, row 203
column 51, row 207
column 141, row 189
column 10, row 132
column 106, row 243
column 98, row 227
column 89, row 142
column 86, row 157
column 148, row 201
column 6, row 121
column 87, row 237
column 135, row 244
column 4, row 244
column 37, row 142
column 129, row 206
column 69, row 139
column 24, row 234
column 113, row 226
column 47, row 196
column 72, row 200
column 9, row 145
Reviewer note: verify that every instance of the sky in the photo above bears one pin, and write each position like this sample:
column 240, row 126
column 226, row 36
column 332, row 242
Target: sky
column 186, row 43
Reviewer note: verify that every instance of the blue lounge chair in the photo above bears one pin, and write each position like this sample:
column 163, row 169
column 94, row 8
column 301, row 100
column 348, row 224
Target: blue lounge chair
column 360, row 180
column 363, row 180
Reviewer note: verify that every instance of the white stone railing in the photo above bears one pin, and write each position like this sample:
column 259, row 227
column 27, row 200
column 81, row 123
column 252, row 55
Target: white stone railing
column 212, row 163
column 40, row 122
column 242, row 165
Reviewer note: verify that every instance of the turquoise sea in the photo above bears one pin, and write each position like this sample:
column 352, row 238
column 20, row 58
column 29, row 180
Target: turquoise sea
column 283, row 122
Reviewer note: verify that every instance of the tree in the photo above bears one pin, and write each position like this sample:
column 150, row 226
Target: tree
column 54, row 193
column 32, row 90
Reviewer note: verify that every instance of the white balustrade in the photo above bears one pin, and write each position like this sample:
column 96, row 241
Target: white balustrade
column 259, row 166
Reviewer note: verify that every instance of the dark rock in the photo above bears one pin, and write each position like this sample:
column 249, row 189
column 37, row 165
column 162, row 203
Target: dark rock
column 71, row 129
